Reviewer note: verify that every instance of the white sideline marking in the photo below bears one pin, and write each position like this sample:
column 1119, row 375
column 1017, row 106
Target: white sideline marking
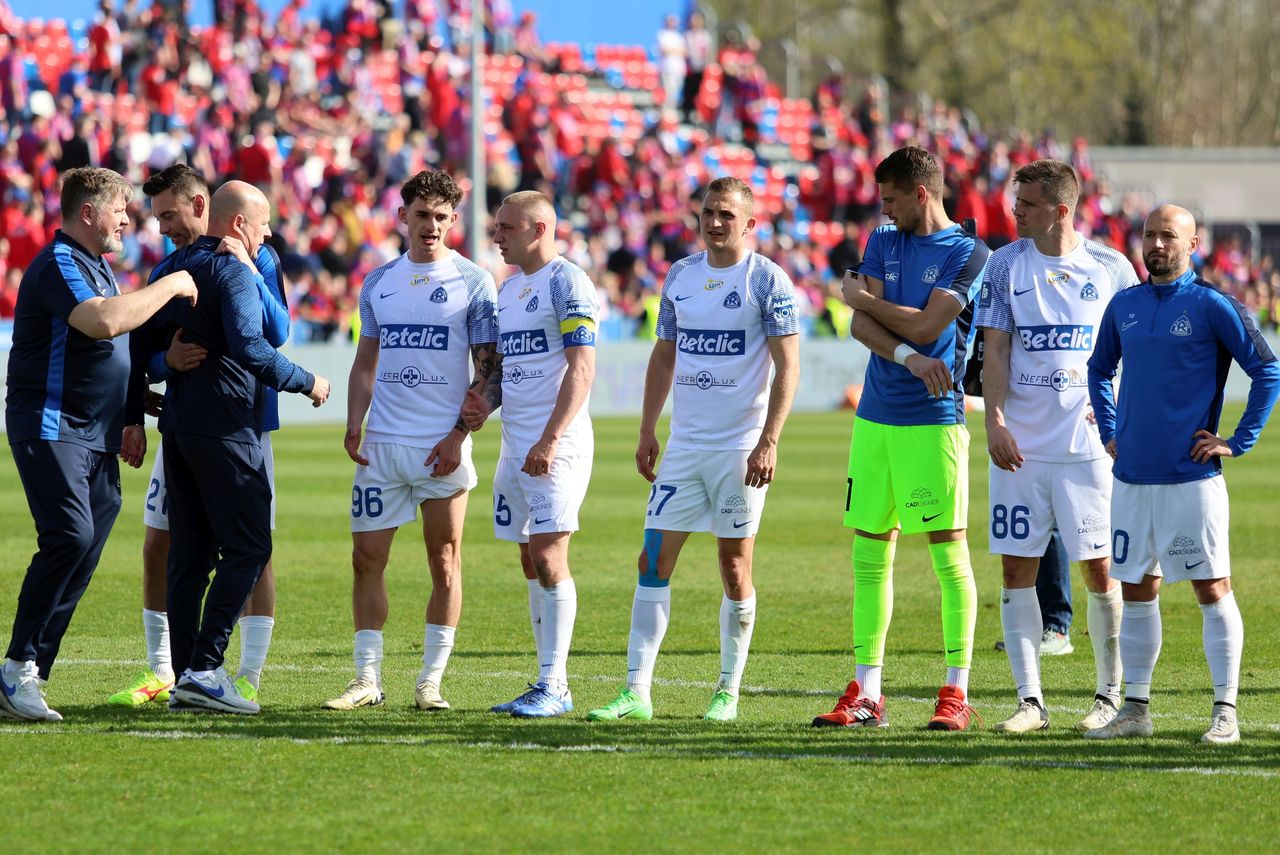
column 595, row 748
column 664, row 681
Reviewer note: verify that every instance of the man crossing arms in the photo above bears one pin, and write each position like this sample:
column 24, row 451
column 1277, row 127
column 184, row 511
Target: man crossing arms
column 1176, row 336
column 726, row 314
column 421, row 315
column 908, row 460
column 1042, row 302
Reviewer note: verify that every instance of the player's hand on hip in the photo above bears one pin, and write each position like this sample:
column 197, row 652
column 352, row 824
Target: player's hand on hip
column 446, row 456
column 1111, row 448
column 319, row 391
column 133, row 445
column 182, row 285
column 182, row 355
column 351, row 442
column 538, row 462
column 1003, row 448
column 932, row 372
column 233, row 246
column 761, row 464
column 1208, row 446
column 475, row 410
column 647, row 451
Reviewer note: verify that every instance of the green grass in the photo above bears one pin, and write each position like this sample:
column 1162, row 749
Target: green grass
column 298, row 778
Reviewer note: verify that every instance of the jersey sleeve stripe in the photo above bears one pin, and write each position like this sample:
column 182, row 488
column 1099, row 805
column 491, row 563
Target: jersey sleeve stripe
column 993, row 306
column 71, row 273
column 482, row 304
column 572, row 293
column 774, row 293
column 368, row 319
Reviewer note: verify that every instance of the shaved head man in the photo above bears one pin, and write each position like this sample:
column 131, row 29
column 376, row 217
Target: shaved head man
column 1169, row 511
column 542, row 378
column 180, row 202
column 215, row 463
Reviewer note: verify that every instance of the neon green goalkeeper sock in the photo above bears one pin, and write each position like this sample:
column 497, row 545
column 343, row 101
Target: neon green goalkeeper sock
column 959, row 600
column 872, row 598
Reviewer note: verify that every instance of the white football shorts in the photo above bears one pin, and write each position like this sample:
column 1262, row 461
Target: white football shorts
column 699, row 490
column 1028, row 504
column 155, row 510
column 386, row 493
column 525, row 505
column 1177, row 531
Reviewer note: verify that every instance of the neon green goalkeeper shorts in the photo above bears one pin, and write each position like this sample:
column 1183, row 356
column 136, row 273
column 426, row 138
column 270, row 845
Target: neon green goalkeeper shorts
column 911, row 476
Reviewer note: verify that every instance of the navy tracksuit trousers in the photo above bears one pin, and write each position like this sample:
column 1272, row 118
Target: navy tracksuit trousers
column 219, row 522
column 74, row 496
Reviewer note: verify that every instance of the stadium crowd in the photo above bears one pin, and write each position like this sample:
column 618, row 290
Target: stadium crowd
column 329, row 117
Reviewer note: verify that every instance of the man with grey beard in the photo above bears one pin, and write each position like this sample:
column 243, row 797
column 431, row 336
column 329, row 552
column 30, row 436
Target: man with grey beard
column 64, row 413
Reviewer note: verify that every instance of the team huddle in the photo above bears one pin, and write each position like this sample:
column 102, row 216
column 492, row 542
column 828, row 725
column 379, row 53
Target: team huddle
column 1130, row 482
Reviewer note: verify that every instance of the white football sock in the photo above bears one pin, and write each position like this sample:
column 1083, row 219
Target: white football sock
column 368, row 655
column 437, row 644
column 650, row 613
column 1223, row 644
column 1023, row 630
column 1141, row 632
column 535, row 616
column 737, row 622
column 870, row 679
column 559, row 609
column 958, row 677
column 155, row 627
column 1105, row 610
column 255, row 641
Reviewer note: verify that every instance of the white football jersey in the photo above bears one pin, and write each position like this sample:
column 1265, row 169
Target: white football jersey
column 719, row 318
column 1051, row 306
column 538, row 317
column 425, row 317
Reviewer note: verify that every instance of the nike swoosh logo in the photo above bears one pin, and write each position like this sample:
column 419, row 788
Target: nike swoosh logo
column 1098, row 545
column 9, row 691
column 1193, row 566
column 1124, row 327
column 1023, row 291
column 210, row 692
column 741, row 524
column 957, row 650
column 930, row 519
column 542, row 522
column 685, row 297
column 385, row 294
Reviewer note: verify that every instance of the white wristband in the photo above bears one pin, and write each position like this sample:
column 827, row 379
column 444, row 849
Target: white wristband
column 901, row 352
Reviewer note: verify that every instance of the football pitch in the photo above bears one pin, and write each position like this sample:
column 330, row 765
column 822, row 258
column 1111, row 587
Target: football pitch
column 298, row 778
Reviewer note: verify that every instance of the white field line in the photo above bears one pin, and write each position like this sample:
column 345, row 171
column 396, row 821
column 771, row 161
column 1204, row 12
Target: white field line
column 832, row 693
column 595, row 748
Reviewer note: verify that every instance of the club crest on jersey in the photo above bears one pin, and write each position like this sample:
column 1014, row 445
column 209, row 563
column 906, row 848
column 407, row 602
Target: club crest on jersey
column 439, row 296
column 1058, row 278
column 930, row 275
column 732, row 300
column 713, row 284
column 1181, row 327
column 1088, row 292
column 419, row 279
column 532, row 305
